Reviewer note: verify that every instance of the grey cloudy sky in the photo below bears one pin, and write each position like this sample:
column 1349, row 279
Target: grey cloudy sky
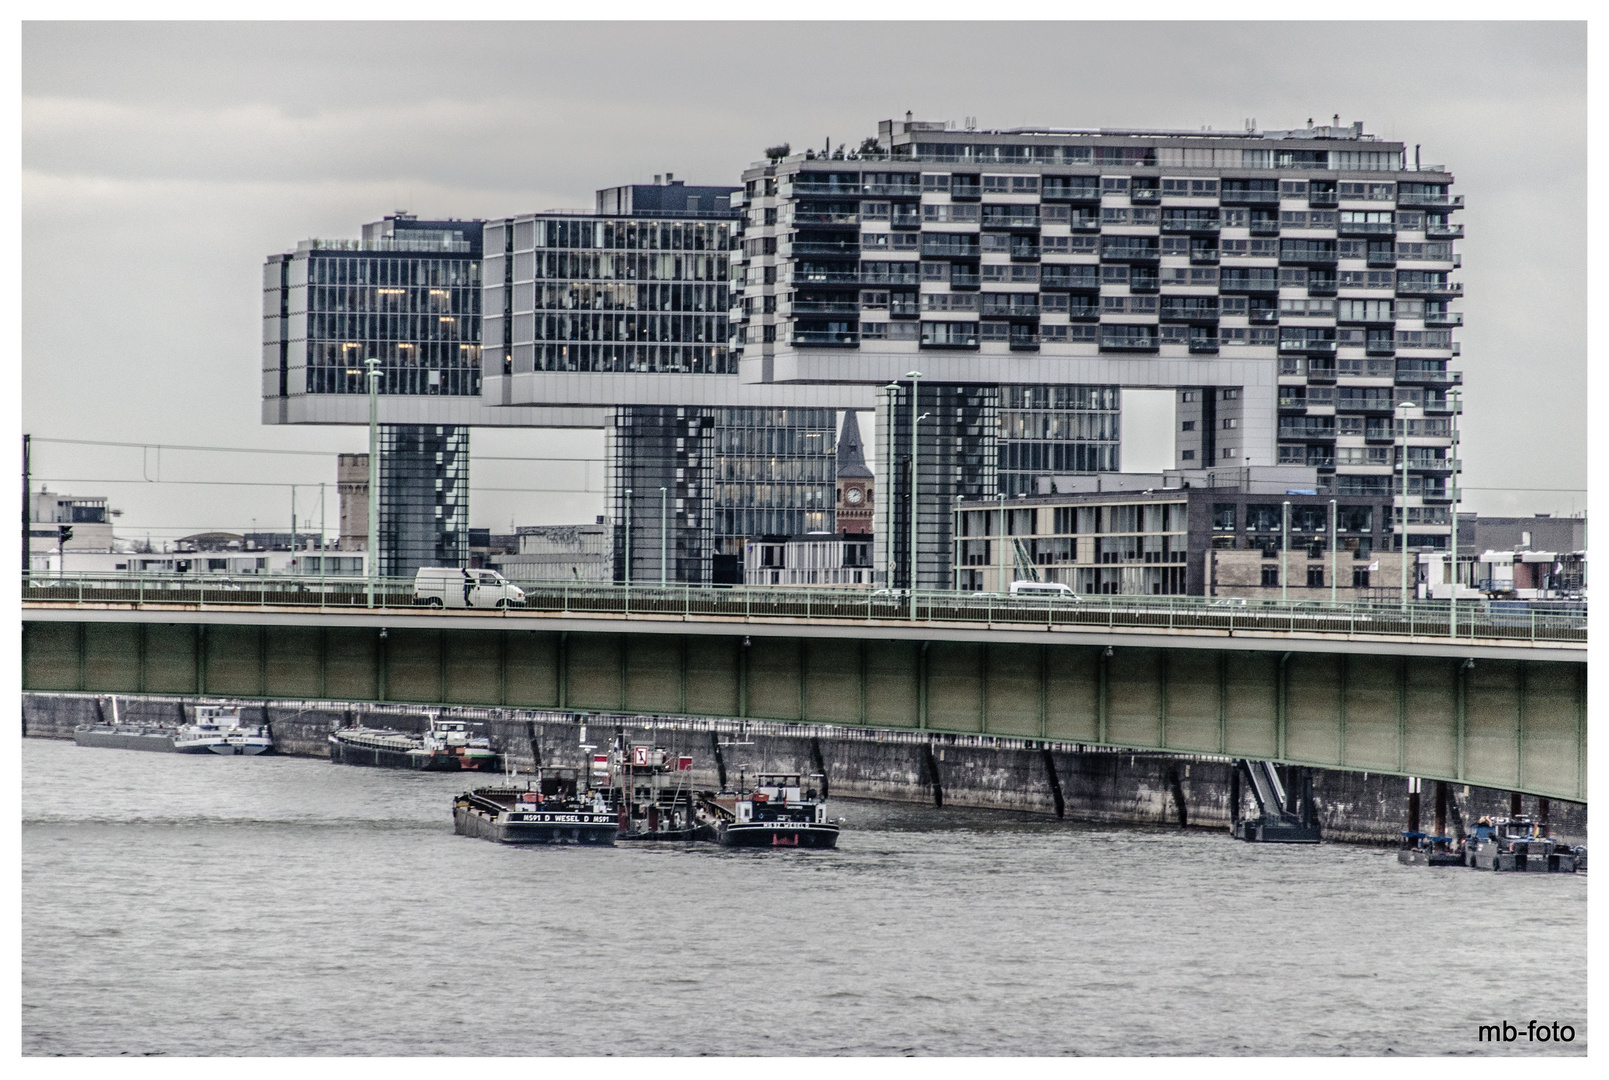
column 163, row 161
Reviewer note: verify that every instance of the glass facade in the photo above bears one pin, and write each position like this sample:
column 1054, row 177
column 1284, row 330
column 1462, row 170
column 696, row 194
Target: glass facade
column 424, row 498
column 418, row 315
column 956, row 456
column 610, row 294
column 1046, row 430
column 730, row 476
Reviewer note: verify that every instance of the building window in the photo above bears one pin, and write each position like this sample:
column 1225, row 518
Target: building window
column 1315, row 577
column 1270, row 576
column 1188, row 455
column 1360, row 577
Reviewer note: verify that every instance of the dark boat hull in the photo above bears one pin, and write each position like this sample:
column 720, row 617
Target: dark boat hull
column 379, row 757
column 774, row 834
column 560, row 827
column 123, row 740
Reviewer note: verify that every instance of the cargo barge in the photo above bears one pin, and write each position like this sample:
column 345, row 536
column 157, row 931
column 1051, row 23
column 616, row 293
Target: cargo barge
column 548, row 812
column 217, row 730
column 447, row 746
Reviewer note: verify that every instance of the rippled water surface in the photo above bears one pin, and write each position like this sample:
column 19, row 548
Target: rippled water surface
column 203, row 905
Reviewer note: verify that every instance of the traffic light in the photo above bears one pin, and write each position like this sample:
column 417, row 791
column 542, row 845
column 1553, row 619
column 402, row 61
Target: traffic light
column 64, row 533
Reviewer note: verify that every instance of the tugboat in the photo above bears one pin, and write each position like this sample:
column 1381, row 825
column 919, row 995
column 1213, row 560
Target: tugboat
column 775, row 812
column 447, row 746
column 1517, row 844
column 650, row 789
column 550, row 812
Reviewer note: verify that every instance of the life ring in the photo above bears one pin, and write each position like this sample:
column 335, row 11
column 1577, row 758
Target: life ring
column 759, row 796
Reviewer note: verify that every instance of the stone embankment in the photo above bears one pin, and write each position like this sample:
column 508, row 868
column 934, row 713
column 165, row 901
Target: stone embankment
column 1077, row 783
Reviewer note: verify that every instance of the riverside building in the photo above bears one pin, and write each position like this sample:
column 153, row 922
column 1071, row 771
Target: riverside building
column 1291, row 288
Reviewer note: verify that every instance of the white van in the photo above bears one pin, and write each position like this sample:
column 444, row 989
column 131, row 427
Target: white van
column 448, row 586
column 1054, row 590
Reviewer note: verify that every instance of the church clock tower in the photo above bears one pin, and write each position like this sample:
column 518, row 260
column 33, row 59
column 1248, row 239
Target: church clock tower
column 854, row 506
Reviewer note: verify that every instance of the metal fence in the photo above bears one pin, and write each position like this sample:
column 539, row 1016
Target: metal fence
column 1472, row 620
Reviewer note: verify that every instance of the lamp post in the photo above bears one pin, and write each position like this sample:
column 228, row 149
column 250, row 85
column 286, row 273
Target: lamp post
column 1452, row 597
column 1402, row 521
column 913, row 376
column 1335, row 566
column 374, row 473
column 628, row 538
column 1001, row 583
column 888, row 532
column 661, row 538
column 1284, row 549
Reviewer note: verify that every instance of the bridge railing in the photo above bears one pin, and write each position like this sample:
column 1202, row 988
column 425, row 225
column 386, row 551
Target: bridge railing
column 1484, row 620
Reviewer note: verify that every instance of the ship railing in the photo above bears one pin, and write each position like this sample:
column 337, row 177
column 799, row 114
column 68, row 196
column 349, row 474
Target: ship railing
column 1465, row 620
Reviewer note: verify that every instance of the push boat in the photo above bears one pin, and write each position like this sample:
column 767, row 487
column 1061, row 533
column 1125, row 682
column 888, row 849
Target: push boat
column 548, row 811
column 776, row 812
column 446, row 746
column 1518, row 844
column 650, row 789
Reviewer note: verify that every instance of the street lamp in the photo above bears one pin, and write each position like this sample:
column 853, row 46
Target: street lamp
column 1452, row 597
column 913, row 376
column 1284, row 550
column 888, row 531
column 1402, row 528
column 374, row 474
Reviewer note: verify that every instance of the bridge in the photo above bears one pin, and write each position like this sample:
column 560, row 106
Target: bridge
column 1481, row 696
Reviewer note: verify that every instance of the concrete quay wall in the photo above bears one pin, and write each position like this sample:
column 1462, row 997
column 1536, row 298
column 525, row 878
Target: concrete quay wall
column 1078, row 783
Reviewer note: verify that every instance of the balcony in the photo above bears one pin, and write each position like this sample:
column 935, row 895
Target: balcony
column 828, row 277
column 824, row 307
column 1263, row 316
column 1203, row 345
column 911, row 190
column 1309, row 347
column 1024, row 342
column 1242, row 197
column 842, row 191
column 1024, row 252
column 958, row 280
column 1444, row 318
column 1437, row 289
column 1444, row 232
column 962, row 192
column 1194, row 226
column 1381, row 259
column 815, row 247
column 823, row 337
column 995, row 305
column 1144, row 195
column 1083, row 313
column 1430, row 200
column 1066, row 192
column 1013, row 218
column 905, row 218
column 938, row 246
column 813, row 217
column 1411, row 372
column 1367, row 228
column 1321, row 286
column 1204, row 256
column 904, row 309
column 1264, row 226
column 1124, row 343
column 1144, row 283
column 1322, row 200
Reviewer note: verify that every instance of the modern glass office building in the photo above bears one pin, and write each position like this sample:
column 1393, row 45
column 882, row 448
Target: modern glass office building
column 424, row 497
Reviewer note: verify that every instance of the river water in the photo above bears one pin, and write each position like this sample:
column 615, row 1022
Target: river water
column 272, row 906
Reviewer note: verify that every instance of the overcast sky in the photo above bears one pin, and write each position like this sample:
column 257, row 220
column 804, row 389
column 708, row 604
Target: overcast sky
column 163, row 161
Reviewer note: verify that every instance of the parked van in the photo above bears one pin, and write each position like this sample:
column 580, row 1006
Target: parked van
column 448, row 586
column 1055, row 590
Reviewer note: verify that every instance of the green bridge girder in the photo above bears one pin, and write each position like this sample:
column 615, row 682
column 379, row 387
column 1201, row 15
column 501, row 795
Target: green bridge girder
column 1515, row 724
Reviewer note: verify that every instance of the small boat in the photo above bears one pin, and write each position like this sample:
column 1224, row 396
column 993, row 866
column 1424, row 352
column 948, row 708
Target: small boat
column 776, row 812
column 446, row 746
column 1517, row 844
column 550, row 811
column 1422, row 849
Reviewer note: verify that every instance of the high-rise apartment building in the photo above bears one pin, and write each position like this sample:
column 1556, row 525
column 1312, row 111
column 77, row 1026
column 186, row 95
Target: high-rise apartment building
column 1291, row 287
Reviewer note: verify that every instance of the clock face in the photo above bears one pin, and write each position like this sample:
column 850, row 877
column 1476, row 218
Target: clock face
column 852, row 496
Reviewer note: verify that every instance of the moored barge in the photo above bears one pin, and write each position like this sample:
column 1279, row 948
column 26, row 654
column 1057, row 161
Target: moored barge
column 447, row 746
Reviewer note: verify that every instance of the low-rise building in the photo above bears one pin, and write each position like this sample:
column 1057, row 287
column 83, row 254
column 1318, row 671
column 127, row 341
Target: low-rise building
column 1252, row 533
column 819, row 559
column 572, row 553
